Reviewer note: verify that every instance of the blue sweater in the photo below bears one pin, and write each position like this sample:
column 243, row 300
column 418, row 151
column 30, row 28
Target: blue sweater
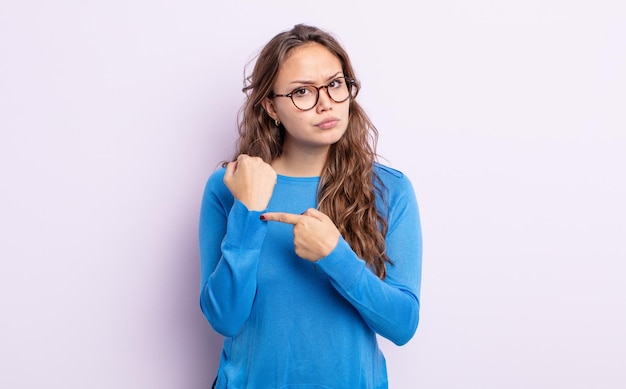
column 291, row 323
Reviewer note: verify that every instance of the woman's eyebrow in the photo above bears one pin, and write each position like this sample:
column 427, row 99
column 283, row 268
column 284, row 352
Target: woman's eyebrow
column 307, row 82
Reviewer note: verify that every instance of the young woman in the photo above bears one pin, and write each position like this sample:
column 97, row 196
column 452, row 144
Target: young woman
column 309, row 248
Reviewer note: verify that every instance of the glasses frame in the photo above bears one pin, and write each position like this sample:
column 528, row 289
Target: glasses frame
column 350, row 83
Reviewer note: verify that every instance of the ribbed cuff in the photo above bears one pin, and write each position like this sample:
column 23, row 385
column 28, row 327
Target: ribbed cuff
column 245, row 228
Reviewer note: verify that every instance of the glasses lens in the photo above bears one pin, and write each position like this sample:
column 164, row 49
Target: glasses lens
column 339, row 90
column 305, row 97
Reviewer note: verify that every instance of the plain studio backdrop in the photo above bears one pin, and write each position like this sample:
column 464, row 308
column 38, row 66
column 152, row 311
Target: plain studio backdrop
column 508, row 117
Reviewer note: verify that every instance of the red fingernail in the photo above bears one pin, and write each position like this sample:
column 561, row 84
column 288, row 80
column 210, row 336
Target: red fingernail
column 262, row 217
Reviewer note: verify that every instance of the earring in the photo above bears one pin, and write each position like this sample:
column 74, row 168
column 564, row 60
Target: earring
column 277, row 122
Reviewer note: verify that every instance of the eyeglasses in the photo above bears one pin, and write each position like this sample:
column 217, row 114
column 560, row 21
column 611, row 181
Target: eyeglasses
column 306, row 97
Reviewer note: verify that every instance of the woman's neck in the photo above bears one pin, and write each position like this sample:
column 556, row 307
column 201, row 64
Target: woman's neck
column 301, row 164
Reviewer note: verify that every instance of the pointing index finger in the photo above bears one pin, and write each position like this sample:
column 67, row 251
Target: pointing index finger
column 283, row 217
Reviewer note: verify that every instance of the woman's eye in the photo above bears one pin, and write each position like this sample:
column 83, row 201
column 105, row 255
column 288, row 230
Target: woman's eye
column 300, row 92
column 334, row 84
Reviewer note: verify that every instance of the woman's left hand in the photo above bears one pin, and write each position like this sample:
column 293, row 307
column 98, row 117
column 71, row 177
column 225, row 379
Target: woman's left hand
column 314, row 234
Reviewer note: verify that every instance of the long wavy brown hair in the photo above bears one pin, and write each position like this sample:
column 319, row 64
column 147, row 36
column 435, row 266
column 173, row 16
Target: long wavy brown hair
column 348, row 184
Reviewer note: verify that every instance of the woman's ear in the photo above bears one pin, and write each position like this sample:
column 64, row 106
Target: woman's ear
column 268, row 106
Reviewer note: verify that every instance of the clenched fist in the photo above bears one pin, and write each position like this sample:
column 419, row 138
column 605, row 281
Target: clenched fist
column 251, row 181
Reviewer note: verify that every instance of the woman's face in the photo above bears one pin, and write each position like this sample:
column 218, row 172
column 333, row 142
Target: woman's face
column 324, row 124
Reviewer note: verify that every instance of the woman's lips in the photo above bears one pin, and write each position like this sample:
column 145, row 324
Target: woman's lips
column 327, row 124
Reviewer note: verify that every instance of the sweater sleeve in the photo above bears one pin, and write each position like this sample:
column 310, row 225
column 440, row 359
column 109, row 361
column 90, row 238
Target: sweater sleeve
column 230, row 238
column 389, row 307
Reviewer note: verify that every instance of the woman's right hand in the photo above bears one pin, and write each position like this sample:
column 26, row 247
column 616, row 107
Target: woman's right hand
column 251, row 181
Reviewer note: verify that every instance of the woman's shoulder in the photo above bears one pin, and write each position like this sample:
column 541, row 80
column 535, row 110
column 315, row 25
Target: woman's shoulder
column 215, row 183
column 384, row 169
column 218, row 174
column 395, row 183
column 389, row 175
